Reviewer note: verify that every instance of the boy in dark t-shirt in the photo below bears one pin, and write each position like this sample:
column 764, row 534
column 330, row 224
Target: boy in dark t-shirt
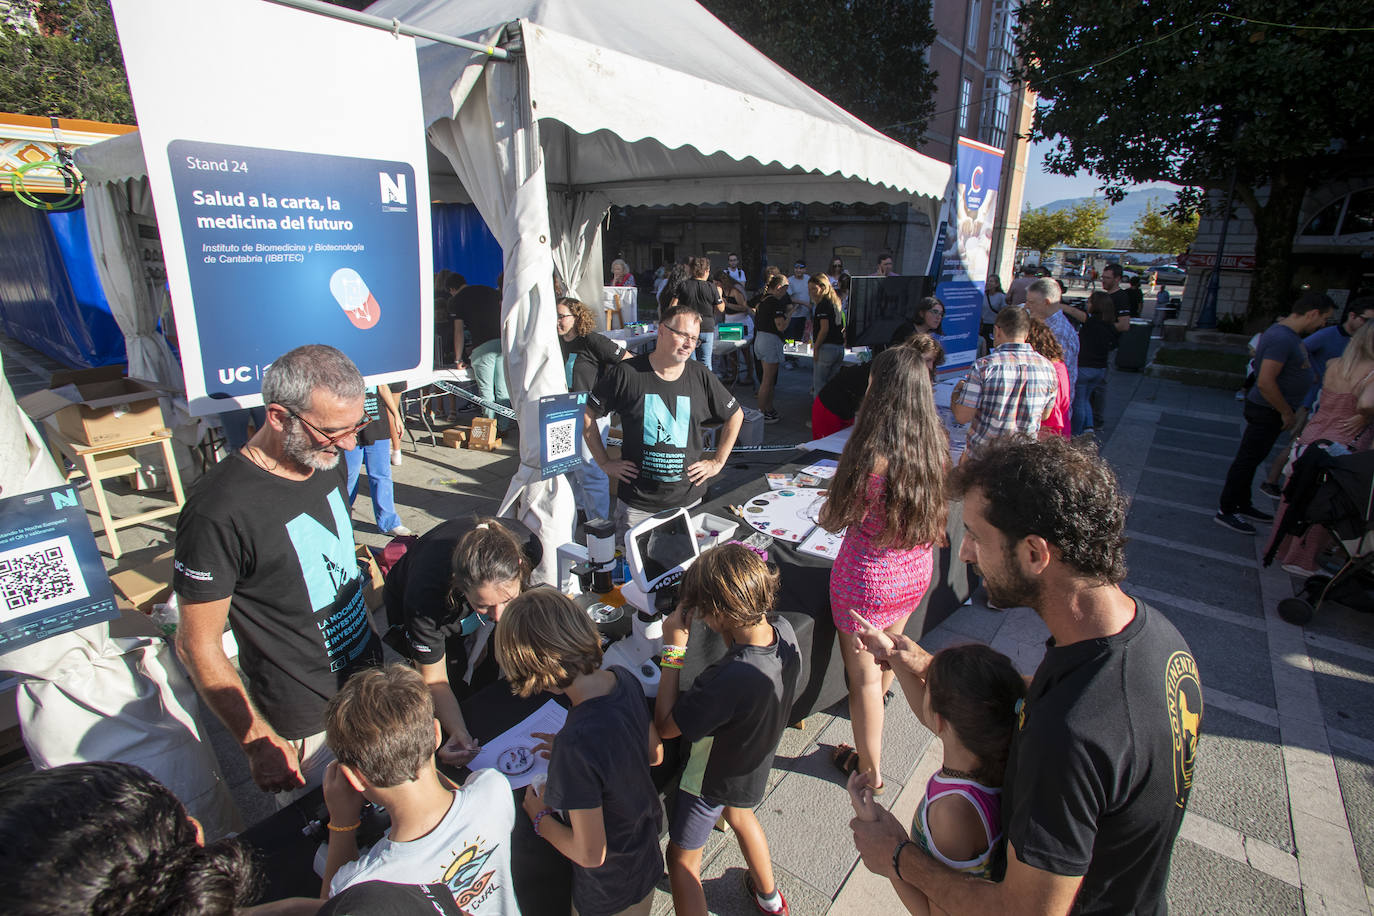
column 733, row 714
column 599, row 807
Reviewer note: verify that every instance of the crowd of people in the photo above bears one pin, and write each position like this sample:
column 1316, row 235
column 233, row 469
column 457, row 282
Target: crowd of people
column 1311, row 378
column 1062, row 791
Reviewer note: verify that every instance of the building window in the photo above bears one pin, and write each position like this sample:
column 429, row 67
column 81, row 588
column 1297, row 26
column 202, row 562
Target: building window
column 965, row 98
column 975, row 17
column 995, row 119
column 1002, row 37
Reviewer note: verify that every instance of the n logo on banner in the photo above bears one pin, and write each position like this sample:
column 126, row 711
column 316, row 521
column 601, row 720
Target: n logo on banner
column 326, row 557
column 393, row 189
column 664, row 428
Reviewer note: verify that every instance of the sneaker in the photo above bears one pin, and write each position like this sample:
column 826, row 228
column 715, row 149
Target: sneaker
column 400, row 531
column 1256, row 514
column 772, row 416
column 1234, row 522
column 1294, row 569
column 1271, row 489
column 782, row 909
column 395, row 457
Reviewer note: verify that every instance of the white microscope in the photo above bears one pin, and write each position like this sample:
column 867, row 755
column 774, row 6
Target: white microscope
column 658, row 550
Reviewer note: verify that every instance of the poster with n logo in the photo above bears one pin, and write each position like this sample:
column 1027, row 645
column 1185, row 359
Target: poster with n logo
column 291, row 189
column 971, row 216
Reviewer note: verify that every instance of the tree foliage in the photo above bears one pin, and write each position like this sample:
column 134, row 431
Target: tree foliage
column 1157, row 231
column 62, row 58
column 867, row 56
column 1077, row 226
column 1194, row 91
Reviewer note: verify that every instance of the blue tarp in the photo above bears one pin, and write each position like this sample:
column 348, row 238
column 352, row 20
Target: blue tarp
column 462, row 243
column 50, row 293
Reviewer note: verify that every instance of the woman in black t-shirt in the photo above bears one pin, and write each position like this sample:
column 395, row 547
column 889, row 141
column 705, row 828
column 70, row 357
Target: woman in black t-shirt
column 586, row 356
column 770, row 319
column 443, row 600
column 827, row 316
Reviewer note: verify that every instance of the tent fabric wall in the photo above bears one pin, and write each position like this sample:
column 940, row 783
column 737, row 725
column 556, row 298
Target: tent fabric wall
column 463, row 243
column 50, row 298
column 131, row 298
column 497, row 156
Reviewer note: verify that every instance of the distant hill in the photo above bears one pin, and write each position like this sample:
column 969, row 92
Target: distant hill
column 1122, row 217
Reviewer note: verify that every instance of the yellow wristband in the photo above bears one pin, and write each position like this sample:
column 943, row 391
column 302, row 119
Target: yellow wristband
column 344, row 829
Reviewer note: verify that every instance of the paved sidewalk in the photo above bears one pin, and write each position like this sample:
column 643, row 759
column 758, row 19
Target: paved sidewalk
column 1281, row 818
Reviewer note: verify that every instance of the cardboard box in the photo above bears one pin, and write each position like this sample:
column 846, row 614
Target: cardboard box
column 98, row 406
column 146, row 585
column 484, row 435
column 456, row 436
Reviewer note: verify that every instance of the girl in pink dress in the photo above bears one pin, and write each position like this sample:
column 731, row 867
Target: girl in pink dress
column 889, row 493
column 1043, row 341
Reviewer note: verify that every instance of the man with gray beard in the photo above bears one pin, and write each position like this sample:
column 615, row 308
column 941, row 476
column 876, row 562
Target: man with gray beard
column 265, row 541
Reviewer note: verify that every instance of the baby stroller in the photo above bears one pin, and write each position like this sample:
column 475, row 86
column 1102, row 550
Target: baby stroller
column 1336, row 492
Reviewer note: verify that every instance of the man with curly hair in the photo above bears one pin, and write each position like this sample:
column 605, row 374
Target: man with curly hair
column 1102, row 760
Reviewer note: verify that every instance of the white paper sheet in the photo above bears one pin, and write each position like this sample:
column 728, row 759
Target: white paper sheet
column 831, row 443
column 512, row 752
column 824, row 469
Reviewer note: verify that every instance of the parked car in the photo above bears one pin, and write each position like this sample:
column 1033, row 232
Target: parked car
column 1170, row 273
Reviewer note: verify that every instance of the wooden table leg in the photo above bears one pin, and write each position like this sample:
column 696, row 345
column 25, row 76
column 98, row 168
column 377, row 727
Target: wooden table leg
column 101, row 504
column 170, row 457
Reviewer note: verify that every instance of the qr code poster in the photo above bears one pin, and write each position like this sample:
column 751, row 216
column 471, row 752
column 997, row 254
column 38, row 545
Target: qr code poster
column 52, row 578
column 560, row 432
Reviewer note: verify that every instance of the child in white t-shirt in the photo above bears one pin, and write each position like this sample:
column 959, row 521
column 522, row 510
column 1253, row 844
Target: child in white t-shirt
column 382, row 729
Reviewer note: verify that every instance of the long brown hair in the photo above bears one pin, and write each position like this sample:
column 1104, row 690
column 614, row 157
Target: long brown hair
column 1043, row 341
column 897, row 422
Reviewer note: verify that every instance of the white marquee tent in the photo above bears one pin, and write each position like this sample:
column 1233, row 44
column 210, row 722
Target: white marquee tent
column 601, row 103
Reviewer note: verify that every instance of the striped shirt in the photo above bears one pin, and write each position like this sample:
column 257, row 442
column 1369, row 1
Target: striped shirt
column 1011, row 388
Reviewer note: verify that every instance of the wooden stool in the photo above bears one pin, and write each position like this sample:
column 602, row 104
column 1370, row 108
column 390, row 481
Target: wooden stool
column 116, row 459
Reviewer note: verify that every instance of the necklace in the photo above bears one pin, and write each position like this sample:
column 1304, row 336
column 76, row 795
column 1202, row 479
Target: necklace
column 958, row 774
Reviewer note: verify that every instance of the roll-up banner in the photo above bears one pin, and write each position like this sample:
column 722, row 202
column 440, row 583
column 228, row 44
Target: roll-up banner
column 968, row 246
column 286, row 155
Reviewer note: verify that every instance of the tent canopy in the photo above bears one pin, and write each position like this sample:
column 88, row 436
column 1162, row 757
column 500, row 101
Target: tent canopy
column 660, row 103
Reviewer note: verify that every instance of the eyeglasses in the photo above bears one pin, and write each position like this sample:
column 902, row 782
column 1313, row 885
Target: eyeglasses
column 687, row 338
column 331, row 438
column 561, row 316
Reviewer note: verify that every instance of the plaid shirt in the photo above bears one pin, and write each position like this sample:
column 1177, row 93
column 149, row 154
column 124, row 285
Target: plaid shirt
column 1011, row 388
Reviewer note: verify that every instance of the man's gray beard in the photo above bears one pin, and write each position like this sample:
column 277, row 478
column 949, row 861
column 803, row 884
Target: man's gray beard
column 297, row 448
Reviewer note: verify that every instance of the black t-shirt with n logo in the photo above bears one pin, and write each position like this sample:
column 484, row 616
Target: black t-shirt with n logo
column 661, row 421
column 282, row 550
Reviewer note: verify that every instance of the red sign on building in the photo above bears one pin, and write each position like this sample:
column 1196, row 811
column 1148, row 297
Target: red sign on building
column 1207, row 261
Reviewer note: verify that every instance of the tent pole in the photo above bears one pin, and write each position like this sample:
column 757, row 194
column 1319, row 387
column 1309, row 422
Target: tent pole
column 395, row 26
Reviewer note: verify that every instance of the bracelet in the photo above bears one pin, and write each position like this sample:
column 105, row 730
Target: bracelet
column 539, row 817
column 673, row 663
column 345, row 829
column 897, row 858
column 674, row 650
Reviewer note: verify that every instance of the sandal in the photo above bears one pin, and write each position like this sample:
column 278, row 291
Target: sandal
column 846, row 760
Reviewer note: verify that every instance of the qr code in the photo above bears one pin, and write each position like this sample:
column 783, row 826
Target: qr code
column 562, row 441
column 39, row 576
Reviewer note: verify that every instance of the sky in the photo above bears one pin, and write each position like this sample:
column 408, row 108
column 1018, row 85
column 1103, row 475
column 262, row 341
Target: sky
column 1042, row 187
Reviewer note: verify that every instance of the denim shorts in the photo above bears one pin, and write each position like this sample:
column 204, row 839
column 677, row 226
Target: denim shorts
column 768, row 347
column 693, row 820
